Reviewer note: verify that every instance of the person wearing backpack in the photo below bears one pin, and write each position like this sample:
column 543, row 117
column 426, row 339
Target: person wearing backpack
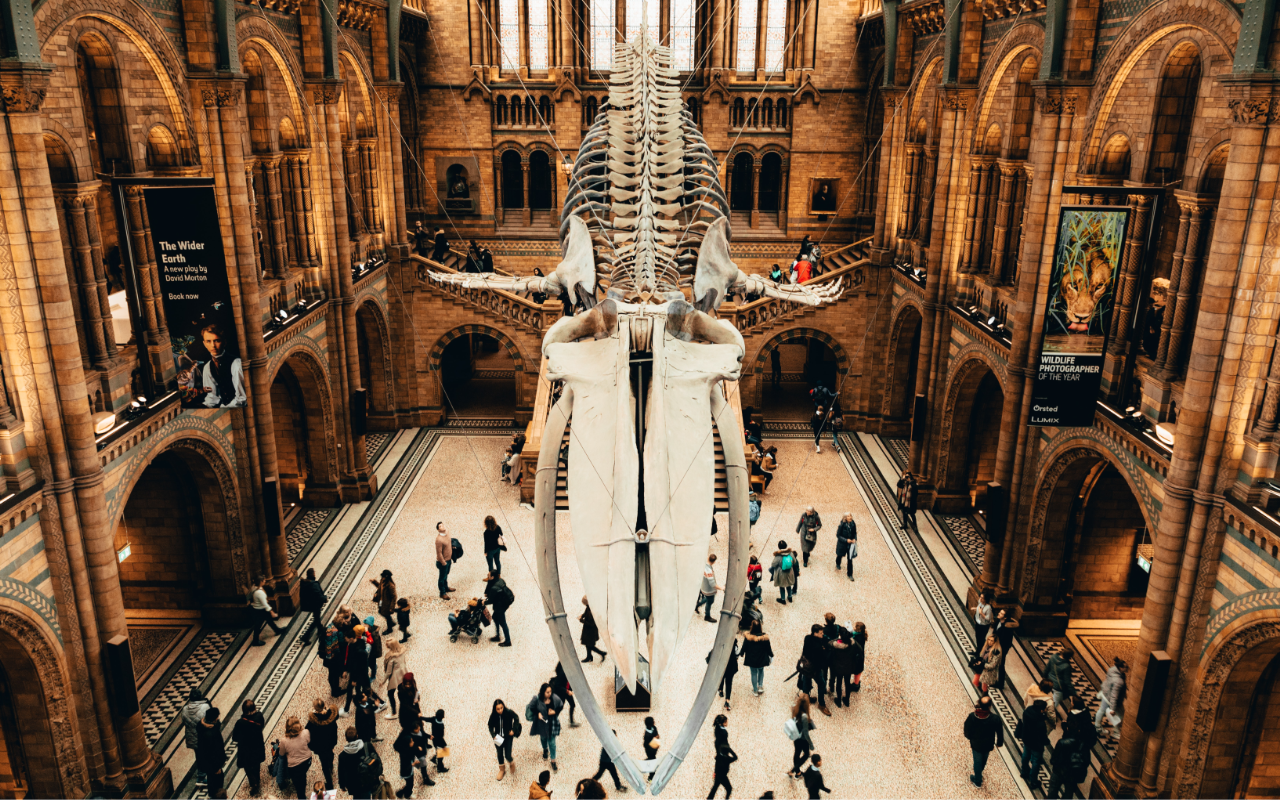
column 757, row 653
column 1071, row 755
column 504, row 727
column 444, row 560
column 499, row 595
column 808, row 526
column 797, row 728
column 785, row 570
column 755, row 571
column 1033, row 730
column 359, row 767
column 847, row 543
column 753, row 506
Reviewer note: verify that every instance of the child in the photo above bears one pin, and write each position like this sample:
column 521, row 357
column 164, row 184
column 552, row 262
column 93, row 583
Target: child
column 366, row 717
column 437, row 738
column 402, row 619
column 754, row 573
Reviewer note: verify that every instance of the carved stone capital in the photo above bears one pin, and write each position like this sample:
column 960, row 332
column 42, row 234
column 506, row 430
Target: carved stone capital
column 325, row 93
column 1253, row 111
column 1056, row 99
column 222, row 94
column 391, row 91
column 959, row 98
column 23, row 89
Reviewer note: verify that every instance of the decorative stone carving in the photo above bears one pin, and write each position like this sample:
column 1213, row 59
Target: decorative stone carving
column 325, row 93
column 23, row 97
column 222, row 95
column 1252, row 111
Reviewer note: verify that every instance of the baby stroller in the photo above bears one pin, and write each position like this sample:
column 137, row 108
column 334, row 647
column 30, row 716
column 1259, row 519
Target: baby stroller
column 469, row 622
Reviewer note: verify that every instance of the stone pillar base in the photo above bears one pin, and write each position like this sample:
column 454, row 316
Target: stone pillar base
column 283, row 593
column 1107, row 786
column 1112, row 372
column 153, row 781
column 1156, row 397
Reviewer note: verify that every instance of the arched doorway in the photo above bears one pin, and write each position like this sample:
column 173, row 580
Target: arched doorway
column 174, row 539
column 375, row 372
column 770, row 182
column 478, row 379
column 740, row 189
column 968, row 457
column 36, row 738
column 903, row 361
column 540, row 183
column 804, row 362
column 512, row 180
column 299, row 409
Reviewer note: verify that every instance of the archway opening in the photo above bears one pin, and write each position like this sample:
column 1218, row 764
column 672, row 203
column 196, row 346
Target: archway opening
column 478, row 377
column 372, row 347
column 770, row 182
column 799, row 365
column 28, row 761
column 172, row 540
column 1097, row 551
column 1242, row 760
column 540, row 183
column 740, row 188
column 975, row 434
column 301, row 448
column 902, row 366
column 512, row 180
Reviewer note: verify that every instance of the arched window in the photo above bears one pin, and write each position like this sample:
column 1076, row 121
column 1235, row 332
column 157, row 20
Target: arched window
column 740, row 192
column 547, row 110
column 539, row 180
column 635, row 10
column 1175, row 108
column 748, row 24
column 590, row 110
column 102, row 102
column 770, row 182
column 782, row 114
column 695, row 110
column 681, row 34
column 775, row 36
column 539, row 35
column 602, row 34
column 512, row 180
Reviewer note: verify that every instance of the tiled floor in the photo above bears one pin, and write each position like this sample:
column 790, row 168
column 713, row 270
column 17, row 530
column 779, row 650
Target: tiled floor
column 966, row 534
column 161, row 711
column 901, row 739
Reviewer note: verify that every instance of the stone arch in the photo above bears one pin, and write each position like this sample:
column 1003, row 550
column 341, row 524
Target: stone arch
column 307, row 368
column 513, row 350
column 899, row 395
column 1228, row 674
column 365, row 107
column 1117, row 157
column 140, row 27
column 1067, row 456
column 46, row 719
column 524, row 376
column 255, row 34
column 1216, row 20
column 375, row 361
column 62, row 164
column 1021, row 41
column 162, row 148
column 782, row 337
column 1209, row 165
column 220, row 507
column 963, row 386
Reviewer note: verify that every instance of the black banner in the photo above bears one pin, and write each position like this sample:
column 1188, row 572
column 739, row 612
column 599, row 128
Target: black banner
column 192, row 269
column 1077, row 316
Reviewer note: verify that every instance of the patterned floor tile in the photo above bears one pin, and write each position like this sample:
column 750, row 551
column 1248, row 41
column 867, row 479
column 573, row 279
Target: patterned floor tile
column 966, row 536
column 304, row 529
column 900, row 449
column 162, row 711
column 373, row 444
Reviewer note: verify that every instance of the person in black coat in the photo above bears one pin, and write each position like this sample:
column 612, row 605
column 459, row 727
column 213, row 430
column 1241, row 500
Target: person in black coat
column 441, row 245
column 985, row 733
column 355, row 660
column 1033, row 730
column 813, row 778
column 311, row 599
column 411, row 744
column 505, row 723
column 847, row 543
column 322, row 724
column 590, row 633
column 354, row 752
column 211, row 753
column 366, row 718
column 730, row 669
column 652, row 741
column 1005, row 629
column 607, row 765
column 724, row 757
column 251, row 747
column 815, row 653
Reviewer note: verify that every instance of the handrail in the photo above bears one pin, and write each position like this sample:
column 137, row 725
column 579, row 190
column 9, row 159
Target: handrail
column 847, row 246
column 503, row 292
column 823, row 278
column 465, row 256
column 533, row 436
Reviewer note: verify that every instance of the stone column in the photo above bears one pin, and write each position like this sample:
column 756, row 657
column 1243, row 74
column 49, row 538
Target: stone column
column 259, row 269
column 1134, row 250
column 907, row 220
column 883, row 229
column 84, row 283
column 967, row 255
column 524, row 182
column 1178, row 311
column 369, row 166
column 755, row 195
column 929, row 173
column 92, row 224
column 1004, row 208
column 1051, row 128
column 276, row 234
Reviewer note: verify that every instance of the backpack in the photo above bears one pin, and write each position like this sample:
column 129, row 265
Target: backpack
column 384, row 790
column 531, row 710
column 370, row 766
column 332, row 638
column 506, row 597
column 755, row 511
column 788, row 562
column 791, row 729
column 517, row 728
column 457, row 549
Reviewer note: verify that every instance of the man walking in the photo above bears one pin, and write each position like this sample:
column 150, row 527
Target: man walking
column 1033, row 730
column 847, row 543
column 985, row 733
column 1071, row 754
column 441, row 246
column 813, row 778
column 908, row 496
column 444, row 560
column 311, row 599
column 1059, row 672
column 707, row 594
column 607, row 765
column 263, row 611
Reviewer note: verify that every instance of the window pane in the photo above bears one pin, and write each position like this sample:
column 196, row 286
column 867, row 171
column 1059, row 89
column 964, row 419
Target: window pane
column 538, row 34
column 509, row 33
column 602, row 34
column 636, row 9
column 775, row 35
column 748, row 21
column 682, row 33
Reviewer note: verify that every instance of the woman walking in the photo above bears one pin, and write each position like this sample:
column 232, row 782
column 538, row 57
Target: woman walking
column 546, row 721
column 407, row 693
column 785, row 570
column 412, row 747
column 724, row 757
column 757, row 653
column 384, row 594
column 859, row 658
column 590, row 633
column 730, row 669
column 504, row 727
column 393, row 672
column 493, row 544
column 847, row 543
column 804, row 743
column 296, row 748
column 322, row 727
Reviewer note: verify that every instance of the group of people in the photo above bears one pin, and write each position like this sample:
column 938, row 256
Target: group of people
column 512, row 457
column 762, row 458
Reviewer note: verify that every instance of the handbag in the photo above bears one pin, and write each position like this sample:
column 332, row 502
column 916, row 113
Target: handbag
column 976, row 664
column 853, row 548
column 442, row 752
column 344, row 681
column 502, row 544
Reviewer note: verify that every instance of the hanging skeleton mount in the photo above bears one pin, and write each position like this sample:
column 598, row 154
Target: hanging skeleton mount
column 645, row 220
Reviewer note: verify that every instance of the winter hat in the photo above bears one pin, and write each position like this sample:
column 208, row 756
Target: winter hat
column 369, row 620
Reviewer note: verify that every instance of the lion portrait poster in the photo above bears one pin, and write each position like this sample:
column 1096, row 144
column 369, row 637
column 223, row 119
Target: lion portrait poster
column 1082, row 284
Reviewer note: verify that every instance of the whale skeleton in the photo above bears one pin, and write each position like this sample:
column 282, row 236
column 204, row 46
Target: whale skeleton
column 645, row 374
